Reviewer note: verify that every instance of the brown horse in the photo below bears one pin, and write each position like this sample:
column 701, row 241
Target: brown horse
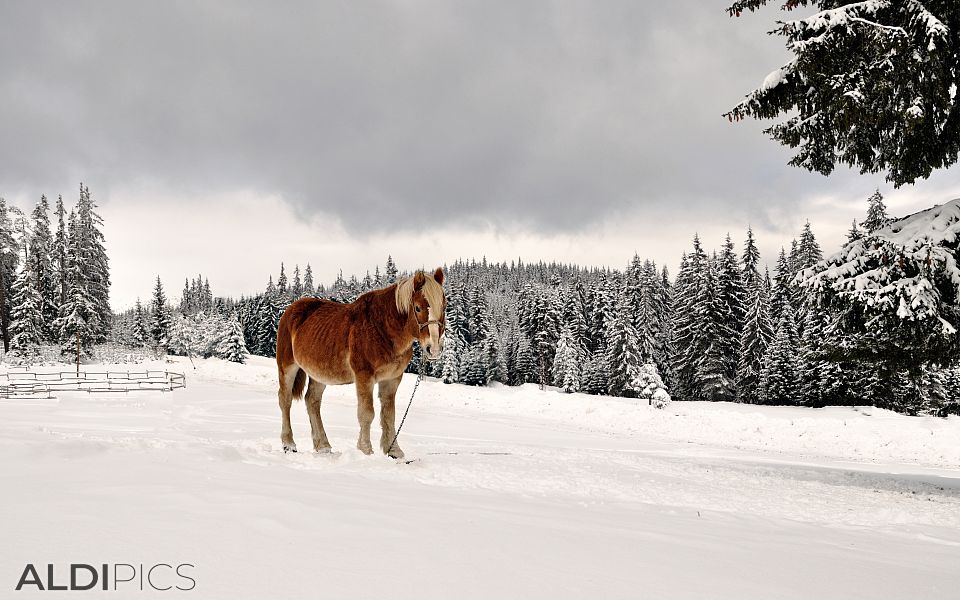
column 366, row 342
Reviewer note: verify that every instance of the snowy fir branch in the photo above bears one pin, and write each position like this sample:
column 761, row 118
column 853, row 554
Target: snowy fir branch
column 871, row 85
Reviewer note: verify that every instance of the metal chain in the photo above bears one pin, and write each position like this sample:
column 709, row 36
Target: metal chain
column 423, row 364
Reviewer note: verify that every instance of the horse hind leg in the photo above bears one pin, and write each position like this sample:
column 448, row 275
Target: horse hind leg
column 313, row 398
column 291, row 378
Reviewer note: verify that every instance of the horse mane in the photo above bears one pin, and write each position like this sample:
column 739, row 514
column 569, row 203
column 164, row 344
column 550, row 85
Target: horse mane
column 432, row 291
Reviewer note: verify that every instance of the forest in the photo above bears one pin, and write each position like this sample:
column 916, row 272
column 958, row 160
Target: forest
column 725, row 328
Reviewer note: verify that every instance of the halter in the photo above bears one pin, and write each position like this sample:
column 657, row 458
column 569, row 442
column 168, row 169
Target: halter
column 427, row 323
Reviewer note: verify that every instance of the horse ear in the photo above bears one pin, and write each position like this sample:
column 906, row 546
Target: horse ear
column 438, row 275
column 418, row 280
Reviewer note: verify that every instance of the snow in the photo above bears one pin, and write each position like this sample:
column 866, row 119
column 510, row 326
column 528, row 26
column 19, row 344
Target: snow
column 547, row 495
column 774, row 79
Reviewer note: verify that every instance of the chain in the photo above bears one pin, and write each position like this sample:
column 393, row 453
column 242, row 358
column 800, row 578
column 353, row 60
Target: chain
column 423, row 365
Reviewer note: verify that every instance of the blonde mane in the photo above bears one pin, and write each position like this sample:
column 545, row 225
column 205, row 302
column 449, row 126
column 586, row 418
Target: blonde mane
column 432, row 291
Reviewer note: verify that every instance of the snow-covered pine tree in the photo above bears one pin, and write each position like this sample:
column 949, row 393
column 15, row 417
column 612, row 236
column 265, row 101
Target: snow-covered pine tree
column 59, row 254
column 877, row 217
column 41, row 266
column 186, row 299
column 689, row 294
column 808, row 255
column 750, row 262
column 894, row 296
column 822, row 381
column 527, row 370
column 716, row 341
column 754, row 339
column 594, row 378
column 308, row 289
column 780, row 299
column 296, row 288
column 27, row 326
column 650, row 387
column 140, row 333
column 282, row 283
column 390, row 271
column 779, row 376
column 160, row 321
column 9, row 261
column 566, row 365
column 870, row 84
column 732, row 308
column 95, row 267
column 78, row 322
column 623, row 351
column 453, row 346
column 854, row 233
column 665, row 306
column 233, row 347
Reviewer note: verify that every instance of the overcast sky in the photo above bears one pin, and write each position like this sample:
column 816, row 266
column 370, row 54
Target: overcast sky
column 223, row 138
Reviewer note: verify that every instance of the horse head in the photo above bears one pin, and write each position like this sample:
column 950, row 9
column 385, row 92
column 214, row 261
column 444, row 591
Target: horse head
column 421, row 298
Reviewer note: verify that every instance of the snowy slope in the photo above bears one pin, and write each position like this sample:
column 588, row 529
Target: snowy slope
column 549, row 496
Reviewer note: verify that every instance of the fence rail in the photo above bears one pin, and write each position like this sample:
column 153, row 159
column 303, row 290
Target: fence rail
column 32, row 384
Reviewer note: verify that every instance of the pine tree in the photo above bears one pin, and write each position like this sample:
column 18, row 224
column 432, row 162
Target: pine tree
column 390, row 271
column 450, row 358
column 782, row 289
column 297, row 286
column 566, row 367
column 779, row 376
column 282, row 282
column 9, row 261
column 27, row 325
column 95, row 269
column 526, row 362
column 308, row 289
column 877, row 217
column 715, row 360
column 822, row 382
column 160, row 323
column 140, row 333
column 60, row 252
column 623, row 351
column 755, row 338
column 232, row 347
column 41, row 267
column 751, row 261
column 854, row 233
column 78, row 322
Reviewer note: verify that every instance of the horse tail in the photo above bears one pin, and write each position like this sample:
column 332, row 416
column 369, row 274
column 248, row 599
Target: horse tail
column 291, row 320
column 299, row 381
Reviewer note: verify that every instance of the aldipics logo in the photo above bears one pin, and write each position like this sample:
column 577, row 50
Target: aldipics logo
column 117, row 577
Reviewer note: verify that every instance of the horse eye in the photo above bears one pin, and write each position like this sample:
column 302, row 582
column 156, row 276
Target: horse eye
column 418, row 309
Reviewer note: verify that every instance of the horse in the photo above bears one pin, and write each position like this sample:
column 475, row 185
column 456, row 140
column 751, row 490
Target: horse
column 366, row 342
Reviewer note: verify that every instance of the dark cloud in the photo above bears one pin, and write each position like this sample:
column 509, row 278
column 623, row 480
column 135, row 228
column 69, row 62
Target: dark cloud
column 547, row 115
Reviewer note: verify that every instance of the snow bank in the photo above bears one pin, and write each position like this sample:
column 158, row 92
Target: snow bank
column 859, row 434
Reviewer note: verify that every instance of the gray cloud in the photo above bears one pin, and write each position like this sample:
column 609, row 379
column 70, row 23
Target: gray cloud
column 546, row 115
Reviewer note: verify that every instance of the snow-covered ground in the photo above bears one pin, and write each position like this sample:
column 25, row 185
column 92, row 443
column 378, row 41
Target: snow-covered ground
column 517, row 493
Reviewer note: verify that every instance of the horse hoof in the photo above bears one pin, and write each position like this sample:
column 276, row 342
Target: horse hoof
column 396, row 453
column 367, row 449
column 291, row 448
column 327, row 450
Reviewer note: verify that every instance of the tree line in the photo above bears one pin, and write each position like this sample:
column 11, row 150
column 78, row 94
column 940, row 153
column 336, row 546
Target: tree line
column 724, row 329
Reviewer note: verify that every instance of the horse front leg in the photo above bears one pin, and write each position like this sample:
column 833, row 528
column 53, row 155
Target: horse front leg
column 388, row 394
column 365, row 412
